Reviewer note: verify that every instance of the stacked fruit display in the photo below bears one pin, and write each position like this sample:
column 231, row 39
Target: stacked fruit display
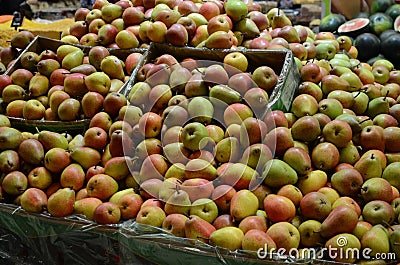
column 65, row 84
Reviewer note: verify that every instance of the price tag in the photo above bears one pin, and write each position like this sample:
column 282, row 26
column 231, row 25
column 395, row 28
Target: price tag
column 17, row 20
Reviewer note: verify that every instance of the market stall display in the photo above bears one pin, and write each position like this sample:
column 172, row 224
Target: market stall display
column 237, row 138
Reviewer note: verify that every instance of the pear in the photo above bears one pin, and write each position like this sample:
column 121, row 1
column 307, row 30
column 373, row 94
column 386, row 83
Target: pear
column 31, row 151
column 34, row 200
column 84, row 68
column 298, row 159
column 347, row 181
column 113, row 67
column 344, row 243
column 227, row 237
column 353, row 80
column 10, row 138
column 179, row 78
column 101, row 186
column 29, row 60
column 394, row 240
column 199, row 168
column 240, row 176
column 376, row 240
column 220, row 94
column 277, row 173
column 178, row 202
column 218, row 40
column 64, row 50
column 86, row 156
column 196, row 86
column 9, row 161
column 119, row 194
column 377, row 106
column 332, row 82
column 201, row 110
column 38, row 85
column 14, row 183
column 117, row 167
column 86, row 206
column 280, row 20
column 349, row 154
column 51, row 140
column 342, row 219
column 236, row 9
column 139, row 93
column 77, row 141
column 256, row 155
column 392, row 174
column 369, row 166
column 168, row 188
column 13, row 92
column 227, row 150
column 197, row 228
column 72, row 60
column 72, row 177
column 247, row 27
column 243, row 203
column 61, row 203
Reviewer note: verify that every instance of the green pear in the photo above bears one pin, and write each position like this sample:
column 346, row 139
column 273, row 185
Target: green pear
column 240, row 176
column 353, row 80
column 113, row 67
column 309, row 233
column 13, row 92
column 394, row 240
column 51, row 140
column 235, row 9
column 225, row 94
column 349, row 154
column 205, row 208
column 227, row 237
column 38, row 85
column 177, row 170
column 377, row 106
column 218, row 40
column 303, row 105
column 86, row 206
column 196, row 86
column 168, row 188
column 277, row 173
column 247, row 27
column 298, row 159
column 178, row 202
column 280, row 20
column 139, row 93
column 227, row 150
column 360, row 104
column 64, row 50
column 116, row 167
column 369, row 166
column 201, row 110
column 10, row 138
column 377, row 240
column 342, row 243
column 392, row 174
column 119, row 194
column 199, row 168
column 61, row 203
column 72, row 59
column 346, row 98
column 244, row 203
column 352, row 121
column 256, row 155
column 86, row 156
column 77, row 141
column 331, row 107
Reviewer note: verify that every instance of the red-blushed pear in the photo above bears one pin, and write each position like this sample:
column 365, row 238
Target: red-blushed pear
column 107, row 213
column 279, row 208
column 85, row 156
column 342, row 219
column 34, row 200
column 311, row 72
column 58, row 76
column 237, row 113
column 93, row 170
column 240, row 82
column 95, row 25
column 209, row 10
column 361, row 228
column 197, row 188
column 149, row 189
column 265, row 77
column 378, row 212
column 372, row 137
column 285, row 235
column 31, row 151
column 347, row 201
column 279, row 140
column 325, row 156
column 157, row 32
column 15, row 108
column 40, row 178
column 222, row 196
column 253, row 222
column 33, row 110
column 96, row 138
column 254, row 240
column 177, row 35
column 101, row 119
column 52, row 188
column 150, row 124
column 223, row 220
column 252, row 131
column 101, row 186
column 154, row 166
column 73, row 177
column 377, row 189
column 9, row 161
column 315, row 205
column 118, row 167
column 291, row 192
column 61, row 202
column 243, row 203
column 218, row 40
column 129, row 205
column 200, row 35
column 131, row 61
column 390, row 134
column 218, row 23
column 259, row 43
column 197, row 228
column 74, row 84
column 347, row 182
column 56, row 159
column 175, row 224
column 257, row 98
column 86, row 206
column 187, row 7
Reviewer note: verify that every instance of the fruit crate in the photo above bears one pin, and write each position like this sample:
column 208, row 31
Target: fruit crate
column 38, row 45
column 30, row 238
column 281, row 61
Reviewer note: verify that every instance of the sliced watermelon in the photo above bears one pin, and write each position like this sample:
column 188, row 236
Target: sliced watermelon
column 396, row 24
column 354, row 27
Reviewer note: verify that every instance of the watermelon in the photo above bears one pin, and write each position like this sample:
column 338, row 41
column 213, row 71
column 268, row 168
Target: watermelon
column 380, row 6
column 380, row 22
column 331, row 22
column 393, row 11
column 396, row 24
column 354, row 27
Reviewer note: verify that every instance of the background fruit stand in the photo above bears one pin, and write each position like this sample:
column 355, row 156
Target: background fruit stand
column 200, row 134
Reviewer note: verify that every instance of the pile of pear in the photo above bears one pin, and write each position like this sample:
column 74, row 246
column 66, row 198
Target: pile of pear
column 66, row 84
column 211, row 24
